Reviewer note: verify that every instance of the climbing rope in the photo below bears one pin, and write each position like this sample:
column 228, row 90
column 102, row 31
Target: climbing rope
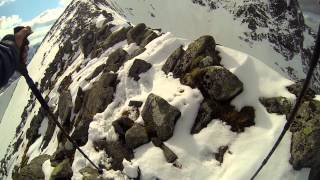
column 313, row 65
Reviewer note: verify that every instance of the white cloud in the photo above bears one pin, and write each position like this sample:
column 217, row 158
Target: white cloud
column 3, row 2
column 64, row 2
column 40, row 24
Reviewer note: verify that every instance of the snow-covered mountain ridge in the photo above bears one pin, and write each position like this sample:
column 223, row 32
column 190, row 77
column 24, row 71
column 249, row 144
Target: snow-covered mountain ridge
column 146, row 104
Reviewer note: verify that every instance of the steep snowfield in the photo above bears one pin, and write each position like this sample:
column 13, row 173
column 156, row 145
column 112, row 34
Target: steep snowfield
column 246, row 150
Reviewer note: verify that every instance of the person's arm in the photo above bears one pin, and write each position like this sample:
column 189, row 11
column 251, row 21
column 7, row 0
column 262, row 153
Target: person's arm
column 9, row 56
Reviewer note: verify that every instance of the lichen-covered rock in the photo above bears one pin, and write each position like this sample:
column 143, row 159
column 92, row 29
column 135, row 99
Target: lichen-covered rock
column 219, row 84
column 160, row 116
column 172, row 60
column 89, row 173
column 65, row 107
column 62, row 171
column 279, row 105
column 95, row 100
column 305, row 130
column 208, row 61
column 116, row 150
column 115, row 60
column 296, row 89
column 87, row 43
column 63, row 152
column 33, row 170
column 139, row 66
column 136, row 136
column 203, row 46
column 79, row 100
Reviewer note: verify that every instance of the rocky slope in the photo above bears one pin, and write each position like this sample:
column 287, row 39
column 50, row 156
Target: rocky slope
column 145, row 104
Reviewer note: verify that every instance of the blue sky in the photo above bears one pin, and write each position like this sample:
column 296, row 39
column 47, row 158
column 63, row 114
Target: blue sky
column 27, row 9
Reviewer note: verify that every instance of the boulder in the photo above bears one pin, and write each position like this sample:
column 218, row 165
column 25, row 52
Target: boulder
column 33, row 170
column 136, row 104
column 203, row 46
column 139, row 66
column 65, row 107
column 104, row 32
column 148, row 38
column 172, row 60
column 137, row 52
column 305, row 130
column 136, row 34
column 87, row 43
column 115, row 38
column 297, row 87
column 278, row 105
column 121, row 125
column 136, row 136
column 117, row 151
column 89, row 173
column 115, row 60
column 160, row 116
column 62, row 171
column 219, row 84
column 79, row 100
column 95, row 101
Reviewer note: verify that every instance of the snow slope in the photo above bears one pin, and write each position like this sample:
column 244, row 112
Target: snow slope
column 195, row 152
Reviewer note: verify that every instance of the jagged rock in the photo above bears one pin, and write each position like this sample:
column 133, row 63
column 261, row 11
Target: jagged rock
column 168, row 153
column 65, row 83
column 79, row 100
column 160, row 116
column 148, row 38
column 96, row 100
column 297, row 87
column 104, row 32
column 62, row 171
column 116, row 150
column 210, row 109
column 33, row 171
column 87, row 43
column 115, row 60
column 61, row 154
column 136, row 104
column 65, row 107
column 89, row 173
column 136, row 136
column 96, row 52
column 136, row 34
column 172, row 60
column 207, row 112
column 305, row 130
column 221, row 151
column 220, row 84
column 96, row 72
column 49, row 133
column 32, row 133
column 107, row 15
column 137, row 52
column 116, row 37
column 279, row 105
column 139, row 66
column 315, row 169
column 203, row 46
column 121, row 125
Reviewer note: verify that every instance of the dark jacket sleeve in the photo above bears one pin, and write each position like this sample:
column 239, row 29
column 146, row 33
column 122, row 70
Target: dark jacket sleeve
column 9, row 56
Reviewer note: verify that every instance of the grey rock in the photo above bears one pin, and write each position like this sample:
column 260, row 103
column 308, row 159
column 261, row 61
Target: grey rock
column 172, row 60
column 62, row 171
column 168, row 154
column 89, row 173
column 115, row 38
column 117, row 151
column 278, row 105
column 136, row 136
column 148, row 38
column 121, row 125
column 305, row 144
column 221, row 151
column 297, row 87
column 160, row 116
column 65, row 106
column 139, row 66
column 33, row 170
column 79, row 100
column 136, row 104
column 220, row 84
column 87, row 43
column 136, row 34
column 208, row 61
column 137, row 52
column 115, row 60
column 96, row 72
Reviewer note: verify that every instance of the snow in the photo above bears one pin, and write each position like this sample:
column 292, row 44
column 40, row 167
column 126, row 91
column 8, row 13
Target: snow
column 195, row 152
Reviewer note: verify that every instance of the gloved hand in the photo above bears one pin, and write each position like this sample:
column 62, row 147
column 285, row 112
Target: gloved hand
column 22, row 42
